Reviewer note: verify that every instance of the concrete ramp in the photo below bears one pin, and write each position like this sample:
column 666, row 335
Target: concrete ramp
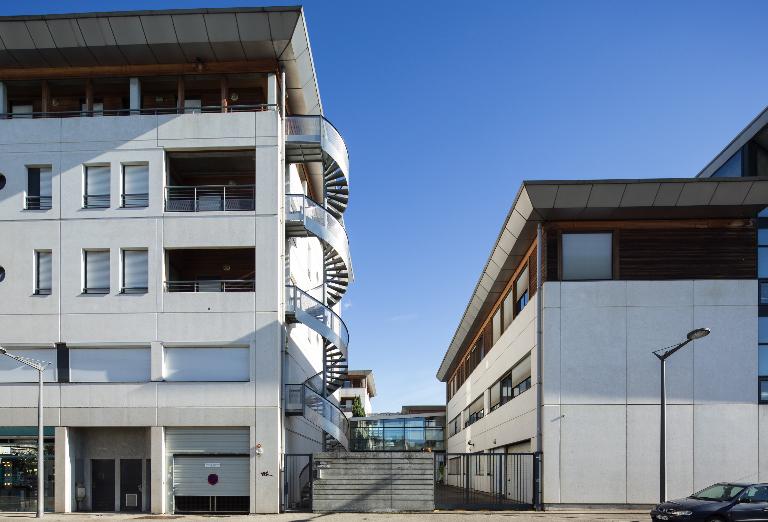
column 380, row 482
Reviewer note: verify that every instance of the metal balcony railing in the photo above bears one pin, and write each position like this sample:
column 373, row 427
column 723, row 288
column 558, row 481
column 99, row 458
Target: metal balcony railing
column 38, row 202
column 319, row 410
column 317, row 316
column 213, row 285
column 96, row 201
column 134, row 200
column 318, row 129
column 210, row 198
column 134, row 112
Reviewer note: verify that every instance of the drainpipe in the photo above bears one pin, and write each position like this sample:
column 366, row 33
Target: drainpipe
column 539, row 368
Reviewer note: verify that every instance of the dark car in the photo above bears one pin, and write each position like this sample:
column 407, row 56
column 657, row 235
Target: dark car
column 723, row 502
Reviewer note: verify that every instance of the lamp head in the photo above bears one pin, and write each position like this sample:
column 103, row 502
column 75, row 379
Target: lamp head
column 698, row 334
column 3, row 351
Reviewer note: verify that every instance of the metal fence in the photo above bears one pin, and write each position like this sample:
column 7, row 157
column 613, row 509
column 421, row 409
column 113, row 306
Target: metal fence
column 487, row 480
column 298, row 475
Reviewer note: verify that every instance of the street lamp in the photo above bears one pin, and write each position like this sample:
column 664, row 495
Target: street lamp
column 663, row 354
column 40, row 367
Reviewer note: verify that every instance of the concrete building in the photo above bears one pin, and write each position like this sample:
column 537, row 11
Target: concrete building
column 357, row 384
column 172, row 240
column 586, row 280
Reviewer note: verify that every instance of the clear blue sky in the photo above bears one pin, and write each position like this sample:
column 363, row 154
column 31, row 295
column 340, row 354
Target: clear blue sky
column 447, row 106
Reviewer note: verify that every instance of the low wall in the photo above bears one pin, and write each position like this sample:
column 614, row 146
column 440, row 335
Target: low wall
column 373, row 482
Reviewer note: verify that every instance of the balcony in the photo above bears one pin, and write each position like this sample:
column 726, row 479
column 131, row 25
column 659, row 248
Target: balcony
column 210, row 270
column 305, row 217
column 210, row 198
column 313, row 140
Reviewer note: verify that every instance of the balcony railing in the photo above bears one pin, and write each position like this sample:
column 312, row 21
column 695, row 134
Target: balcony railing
column 133, row 112
column 134, row 200
column 214, row 285
column 38, row 202
column 318, row 410
column 96, row 201
column 317, row 316
column 210, row 198
column 316, row 129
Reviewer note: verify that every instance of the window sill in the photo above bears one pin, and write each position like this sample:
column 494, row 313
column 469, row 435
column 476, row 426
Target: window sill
column 42, row 293
column 95, row 291
column 134, row 291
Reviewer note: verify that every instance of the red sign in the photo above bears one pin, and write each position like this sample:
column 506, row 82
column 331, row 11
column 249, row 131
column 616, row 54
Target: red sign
column 213, row 479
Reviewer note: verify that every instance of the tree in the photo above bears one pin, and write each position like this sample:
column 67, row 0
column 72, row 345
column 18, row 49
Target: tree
column 357, row 408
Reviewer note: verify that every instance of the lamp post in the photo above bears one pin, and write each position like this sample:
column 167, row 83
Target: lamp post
column 663, row 354
column 40, row 367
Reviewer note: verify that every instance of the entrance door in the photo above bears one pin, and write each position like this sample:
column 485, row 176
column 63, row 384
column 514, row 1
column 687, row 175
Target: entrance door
column 130, row 485
column 103, row 484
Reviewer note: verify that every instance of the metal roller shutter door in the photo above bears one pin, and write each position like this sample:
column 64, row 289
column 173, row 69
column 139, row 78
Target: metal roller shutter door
column 191, row 476
column 207, row 441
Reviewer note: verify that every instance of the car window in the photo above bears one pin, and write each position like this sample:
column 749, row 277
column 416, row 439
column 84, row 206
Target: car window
column 719, row 492
column 757, row 493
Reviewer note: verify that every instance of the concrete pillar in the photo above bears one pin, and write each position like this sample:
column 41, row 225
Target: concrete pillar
column 156, row 358
column 3, row 98
column 157, row 482
column 63, row 471
column 135, row 94
column 267, row 430
column 272, row 89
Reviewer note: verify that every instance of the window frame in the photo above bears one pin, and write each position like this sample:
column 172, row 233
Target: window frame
column 37, row 288
column 43, row 203
column 106, row 199
column 141, row 198
column 99, row 290
column 132, row 290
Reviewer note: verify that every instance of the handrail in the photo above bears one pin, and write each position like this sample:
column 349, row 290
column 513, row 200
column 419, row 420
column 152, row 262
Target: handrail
column 38, row 202
column 208, row 109
column 213, row 285
column 322, row 412
column 207, row 198
column 310, row 310
column 322, row 130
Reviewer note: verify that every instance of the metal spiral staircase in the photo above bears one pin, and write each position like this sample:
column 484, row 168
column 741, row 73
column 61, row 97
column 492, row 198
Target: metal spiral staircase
column 313, row 140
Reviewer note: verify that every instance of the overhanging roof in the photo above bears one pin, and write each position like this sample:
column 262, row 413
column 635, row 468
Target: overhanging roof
column 168, row 37
column 540, row 201
column 749, row 132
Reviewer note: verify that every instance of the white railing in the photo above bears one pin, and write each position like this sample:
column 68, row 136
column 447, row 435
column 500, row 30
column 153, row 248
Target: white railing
column 319, row 222
column 317, row 316
column 318, row 129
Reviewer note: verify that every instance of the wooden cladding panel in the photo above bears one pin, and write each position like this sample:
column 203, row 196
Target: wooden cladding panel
column 710, row 253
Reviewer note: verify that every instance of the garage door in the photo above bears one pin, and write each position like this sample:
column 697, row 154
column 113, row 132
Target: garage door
column 203, row 476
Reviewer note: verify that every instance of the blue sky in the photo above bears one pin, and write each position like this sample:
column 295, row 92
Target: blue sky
column 447, row 106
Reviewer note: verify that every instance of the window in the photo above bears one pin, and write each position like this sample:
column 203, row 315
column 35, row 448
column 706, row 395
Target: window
column 587, row 256
column 763, row 382
column 135, row 186
column 135, row 272
column 39, row 189
column 515, row 382
column 96, row 272
column 109, row 364
column 13, row 371
column 207, row 364
column 475, row 412
column 508, row 310
column 455, row 426
column 497, row 327
column 731, row 168
column 96, row 186
column 43, row 272
column 193, row 105
column 454, row 466
column 21, row 111
column 521, row 291
column 762, row 357
column 762, row 253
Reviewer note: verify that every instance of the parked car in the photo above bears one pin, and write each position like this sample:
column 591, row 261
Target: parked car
column 722, row 502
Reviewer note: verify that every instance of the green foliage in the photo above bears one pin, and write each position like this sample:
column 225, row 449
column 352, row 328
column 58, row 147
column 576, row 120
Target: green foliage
column 357, row 408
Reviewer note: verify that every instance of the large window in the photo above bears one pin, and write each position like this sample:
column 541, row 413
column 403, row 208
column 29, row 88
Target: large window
column 43, row 272
column 109, row 364
column 475, row 412
column 96, row 272
column 96, row 186
column 135, row 186
column 39, row 188
column 587, row 256
column 13, row 371
column 521, row 291
column 135, row 272
column 515, row 382
column 207, row 364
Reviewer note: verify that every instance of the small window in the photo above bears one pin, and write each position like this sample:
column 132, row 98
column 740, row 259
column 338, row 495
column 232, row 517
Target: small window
column 521, row 291
column 587, row 256
column 96, row 187
column 43, row 272
column 497, row 326
column 193, row 105
column 474, row 412
column 135, row 186
column 39, row 188
column 508, row 308
column 96, row 272
column 21, row 111
column 135, row 272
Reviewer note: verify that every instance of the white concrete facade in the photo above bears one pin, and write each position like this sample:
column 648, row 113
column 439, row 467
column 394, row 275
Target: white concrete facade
column 279, row 353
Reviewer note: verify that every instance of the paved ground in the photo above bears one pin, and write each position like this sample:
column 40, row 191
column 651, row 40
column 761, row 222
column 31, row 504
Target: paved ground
column 452, row 516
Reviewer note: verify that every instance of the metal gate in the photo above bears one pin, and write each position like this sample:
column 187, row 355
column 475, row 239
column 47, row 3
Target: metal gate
column 297, row 490
column 211, row 484
column 487, row 480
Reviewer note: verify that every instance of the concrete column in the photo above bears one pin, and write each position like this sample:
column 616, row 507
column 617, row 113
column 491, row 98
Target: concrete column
column 156, row 358
column 272, row 89
column 63, row 472
column 135, row 94
column 157, row 482
column 3, row 98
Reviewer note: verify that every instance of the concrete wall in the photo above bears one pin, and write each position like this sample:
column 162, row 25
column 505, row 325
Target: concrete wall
column 514, row 421
column 374, row 482
column 601, row 389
